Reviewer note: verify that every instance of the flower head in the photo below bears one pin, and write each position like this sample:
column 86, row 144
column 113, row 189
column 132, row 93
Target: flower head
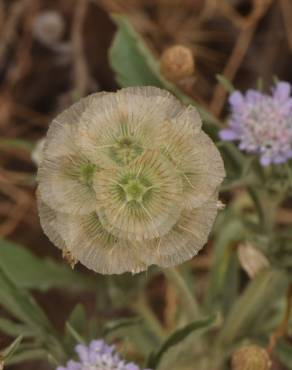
column 262, row 123
column 98, row 356
column 127, row 180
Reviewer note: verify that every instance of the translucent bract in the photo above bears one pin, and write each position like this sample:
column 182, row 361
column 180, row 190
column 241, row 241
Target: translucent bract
column 127, row 180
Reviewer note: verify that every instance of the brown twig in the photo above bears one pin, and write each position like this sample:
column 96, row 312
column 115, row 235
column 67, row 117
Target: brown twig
column 286, row 9
column 2, row 16
column 10, row 26
column 22, row 202
column 283, row 327
column 238, row 53
column 80, row 68
column 23, row 58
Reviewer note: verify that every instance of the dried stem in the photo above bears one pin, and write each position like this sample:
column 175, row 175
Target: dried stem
column 10, row 27
column 283, row 327
column 286, row 9
column 80, row 69
column 248, row 28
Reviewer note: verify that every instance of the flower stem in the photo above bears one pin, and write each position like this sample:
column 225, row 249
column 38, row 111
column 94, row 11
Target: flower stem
column 187, row 297
column 142, row 308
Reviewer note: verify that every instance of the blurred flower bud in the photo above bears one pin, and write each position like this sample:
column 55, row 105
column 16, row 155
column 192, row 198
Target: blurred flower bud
column 177, row 63
column 251, row 259
column 37, row 153
column 251, row 357
column 49, row 27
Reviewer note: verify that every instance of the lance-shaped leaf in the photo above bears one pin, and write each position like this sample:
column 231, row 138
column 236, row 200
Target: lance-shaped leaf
column 178, row 336
column 30, row 272
column 135, row 65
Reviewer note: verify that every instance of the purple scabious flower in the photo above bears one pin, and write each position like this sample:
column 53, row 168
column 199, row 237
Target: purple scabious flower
column 262, row 123
column 98, row 356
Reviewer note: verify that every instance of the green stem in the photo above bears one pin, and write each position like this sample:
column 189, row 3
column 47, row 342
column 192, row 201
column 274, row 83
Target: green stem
column 187, row 297
column 142, row 308
column 266, row 205
column 257, row 299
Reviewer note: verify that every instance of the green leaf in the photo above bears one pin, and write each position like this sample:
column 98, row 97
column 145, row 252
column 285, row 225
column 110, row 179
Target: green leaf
column 129, row 57
column 75, row 335
column 178, row 336
column 78, row 317
column 20, row 304
column 30, row 272
column 114, row 325
column 225, row 83
column 8, row 352
column 256, row 301
column 76, row 328
column 135, row 65
column 234, row 161
column 224, row 275
column 17, row 144
column 14, row 329
column 27, row 355
column 284, row 353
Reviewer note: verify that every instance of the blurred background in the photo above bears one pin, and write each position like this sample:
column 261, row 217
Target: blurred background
column 53, row 52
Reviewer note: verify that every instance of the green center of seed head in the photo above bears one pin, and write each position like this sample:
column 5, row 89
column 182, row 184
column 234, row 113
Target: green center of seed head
column 87, row 172
column 135, row 189
column 125, row 150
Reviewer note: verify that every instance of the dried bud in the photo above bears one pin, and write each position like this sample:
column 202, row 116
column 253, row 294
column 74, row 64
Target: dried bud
column 177, row 63
column 251, row 357
column 49, row 27
column 69, row 258
column 127, row 180
column 251, row 259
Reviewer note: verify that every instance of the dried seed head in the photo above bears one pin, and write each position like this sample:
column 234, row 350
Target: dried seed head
column 177, row 62
column 251, row 259
column 127, row 180
column 251, row 357
column 49, row 27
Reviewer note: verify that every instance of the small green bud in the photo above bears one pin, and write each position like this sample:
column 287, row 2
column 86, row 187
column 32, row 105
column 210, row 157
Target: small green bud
column 251, row 357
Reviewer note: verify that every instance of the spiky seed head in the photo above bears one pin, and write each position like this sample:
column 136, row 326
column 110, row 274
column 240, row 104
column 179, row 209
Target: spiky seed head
column 177, row 63
column 127, row 180
column 251, row 357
